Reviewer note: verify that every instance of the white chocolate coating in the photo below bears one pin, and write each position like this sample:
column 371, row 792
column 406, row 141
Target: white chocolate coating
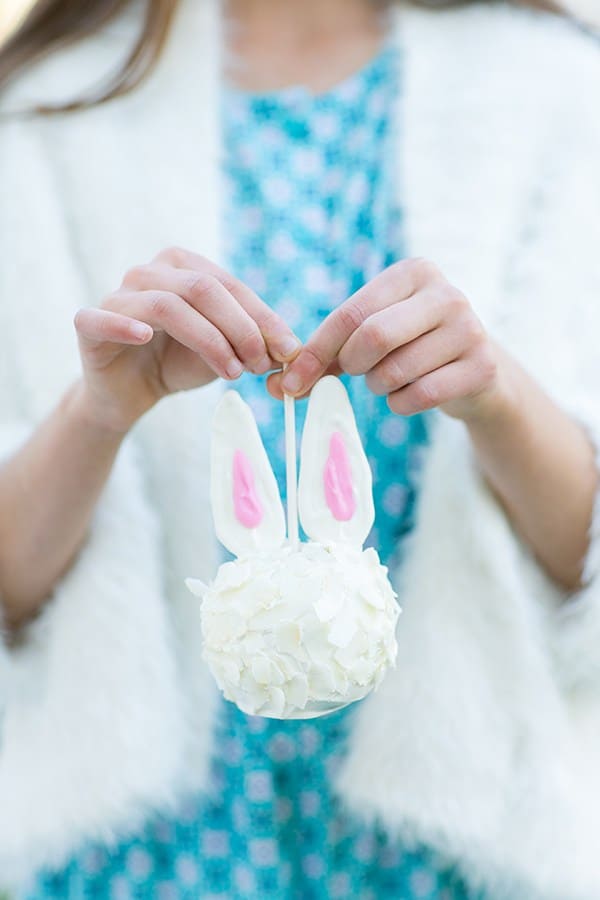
column 329, row 411
column 296, row 633
column 234, row 429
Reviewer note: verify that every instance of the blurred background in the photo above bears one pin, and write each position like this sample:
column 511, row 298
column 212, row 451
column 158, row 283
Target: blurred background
column 12, row 11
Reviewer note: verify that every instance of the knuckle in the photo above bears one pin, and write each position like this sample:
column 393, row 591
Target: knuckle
column 213, row 340
column 270, row 323
column 315, row 358
column 376, row 336
column 229, row 282
column 377, row 384
column 135, row 276
column 161, row 304
column 453, row 300
column 400, row 268
column 176, row 256
column 216, row 349
column 426, row 394
column 252, row 345
column 199, row 286
column 473, row 330
column 423, row 269
column 351, row 316
column 390, row 376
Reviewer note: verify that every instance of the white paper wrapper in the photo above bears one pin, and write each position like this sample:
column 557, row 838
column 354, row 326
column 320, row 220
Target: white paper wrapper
column 297, row 633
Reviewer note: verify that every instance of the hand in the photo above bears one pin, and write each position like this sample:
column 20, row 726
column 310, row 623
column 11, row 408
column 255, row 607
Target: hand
column 177, row 323
column 414, row 336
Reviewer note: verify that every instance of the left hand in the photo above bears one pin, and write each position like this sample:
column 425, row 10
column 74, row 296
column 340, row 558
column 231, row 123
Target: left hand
column 414, row 336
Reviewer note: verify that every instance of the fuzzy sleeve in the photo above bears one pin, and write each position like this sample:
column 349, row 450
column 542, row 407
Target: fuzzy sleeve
column 577, row 625
column 571, row 372
column 553, row 318
column 91, row 692
column 11, row 437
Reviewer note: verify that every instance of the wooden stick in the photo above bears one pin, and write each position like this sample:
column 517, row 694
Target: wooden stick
column 291, row 469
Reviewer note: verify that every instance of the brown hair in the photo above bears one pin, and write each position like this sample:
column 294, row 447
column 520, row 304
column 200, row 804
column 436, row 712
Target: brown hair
column 53, row 24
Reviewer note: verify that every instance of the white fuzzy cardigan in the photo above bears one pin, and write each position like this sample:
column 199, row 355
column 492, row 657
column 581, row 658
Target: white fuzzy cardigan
column 485, row 741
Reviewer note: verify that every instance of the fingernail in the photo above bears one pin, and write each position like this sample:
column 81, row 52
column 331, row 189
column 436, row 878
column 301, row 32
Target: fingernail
column 234, row 368
column 263, row 365
column 291, row 383
column 141, row 331
column 288, row 345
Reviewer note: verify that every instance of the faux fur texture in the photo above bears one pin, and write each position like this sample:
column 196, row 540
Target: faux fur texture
column 110, row 708
column 484, row 741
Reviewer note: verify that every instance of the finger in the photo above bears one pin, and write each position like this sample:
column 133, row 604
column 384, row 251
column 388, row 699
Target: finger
column 455, row 381
column 274, row 381
column 168, row 312
column 396, row 284
column 427, row 353
column 100, row 326
column 207, row 296
column 216, row 302
column 282, row 343
column 180, row 258
column 387, row 330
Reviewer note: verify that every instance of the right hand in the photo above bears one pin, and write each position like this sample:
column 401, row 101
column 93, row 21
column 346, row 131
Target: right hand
column 177, row 323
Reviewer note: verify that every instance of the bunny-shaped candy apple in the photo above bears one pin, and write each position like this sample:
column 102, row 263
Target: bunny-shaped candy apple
column 295, row 629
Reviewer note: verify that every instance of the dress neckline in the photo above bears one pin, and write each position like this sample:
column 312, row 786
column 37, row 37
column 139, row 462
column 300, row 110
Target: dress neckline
column 346, row 90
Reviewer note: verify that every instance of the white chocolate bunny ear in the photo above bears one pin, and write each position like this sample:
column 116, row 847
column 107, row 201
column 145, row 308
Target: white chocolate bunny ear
column 247, row 509
column 335, row 494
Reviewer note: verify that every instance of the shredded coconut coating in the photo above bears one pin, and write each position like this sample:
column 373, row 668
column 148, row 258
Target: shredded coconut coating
column 296, row 633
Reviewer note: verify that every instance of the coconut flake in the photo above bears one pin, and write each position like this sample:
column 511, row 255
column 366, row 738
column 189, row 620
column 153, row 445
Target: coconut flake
column 291, row 633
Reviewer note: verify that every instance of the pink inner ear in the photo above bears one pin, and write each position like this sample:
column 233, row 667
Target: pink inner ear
column 246, row 504
column 337, row 480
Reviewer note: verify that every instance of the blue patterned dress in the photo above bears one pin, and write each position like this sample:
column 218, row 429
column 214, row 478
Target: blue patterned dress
column 312, row 215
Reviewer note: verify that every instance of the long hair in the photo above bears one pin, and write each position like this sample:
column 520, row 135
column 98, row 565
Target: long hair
column 54, row 24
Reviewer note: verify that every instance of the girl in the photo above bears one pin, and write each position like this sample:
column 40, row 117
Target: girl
column 404, row 197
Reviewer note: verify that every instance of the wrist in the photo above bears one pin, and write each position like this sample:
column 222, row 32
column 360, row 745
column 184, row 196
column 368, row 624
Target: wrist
column 108, row 424
column 495, row 406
